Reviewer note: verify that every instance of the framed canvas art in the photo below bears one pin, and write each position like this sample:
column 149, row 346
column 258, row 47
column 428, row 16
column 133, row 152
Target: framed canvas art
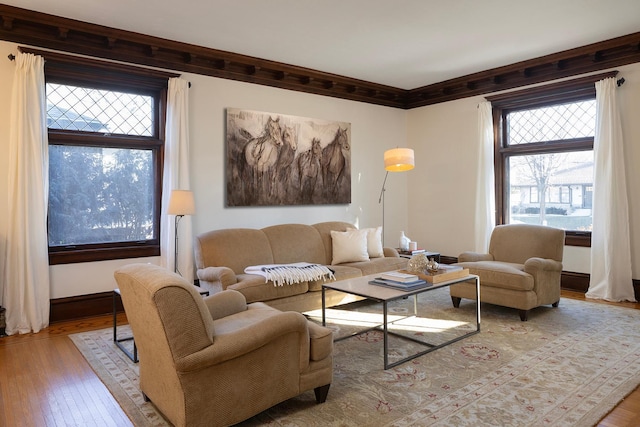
column 276, row 159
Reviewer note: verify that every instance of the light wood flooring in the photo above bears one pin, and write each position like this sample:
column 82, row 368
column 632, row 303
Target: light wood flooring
column 45, row 381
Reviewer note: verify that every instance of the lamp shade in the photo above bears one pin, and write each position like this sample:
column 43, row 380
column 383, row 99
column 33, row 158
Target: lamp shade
column 399, row 160
column 181, row 203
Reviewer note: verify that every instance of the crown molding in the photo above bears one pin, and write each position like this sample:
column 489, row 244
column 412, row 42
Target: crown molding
column 591, row 58
column 67, row 35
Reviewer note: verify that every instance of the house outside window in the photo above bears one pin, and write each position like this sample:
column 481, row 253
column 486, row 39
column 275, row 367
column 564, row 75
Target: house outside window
column 106, row 141
column 544, row 157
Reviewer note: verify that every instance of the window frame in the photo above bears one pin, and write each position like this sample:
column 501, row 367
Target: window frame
column 86, row 72
column 541, row 96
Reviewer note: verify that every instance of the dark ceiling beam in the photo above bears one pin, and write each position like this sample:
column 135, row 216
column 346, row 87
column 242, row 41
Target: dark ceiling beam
column 595, row 57
column 67, row 35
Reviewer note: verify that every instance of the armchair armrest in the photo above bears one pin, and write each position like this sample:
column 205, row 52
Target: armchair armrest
column 474, row 256
column 532, row 265
column 546, row 277
column 225, row 303
column 247, row 339
column 222, row 275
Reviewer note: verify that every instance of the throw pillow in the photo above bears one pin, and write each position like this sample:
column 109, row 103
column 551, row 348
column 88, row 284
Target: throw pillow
column 374, row 242
column 349, row 246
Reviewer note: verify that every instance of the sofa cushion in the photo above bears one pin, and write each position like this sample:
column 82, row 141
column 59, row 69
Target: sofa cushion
column 340, row 272
column 379, row 265
column 374, row 242
column 499, row 274
column 235, row 248
column 254, row 288
column 292, row 243
column 349, row 246
column 325, row 229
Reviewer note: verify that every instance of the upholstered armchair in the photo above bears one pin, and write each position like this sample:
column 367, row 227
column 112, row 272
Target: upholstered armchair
column 216, row 361
column 522, row 269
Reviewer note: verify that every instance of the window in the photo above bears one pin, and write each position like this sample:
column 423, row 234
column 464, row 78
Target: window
column 106, row 125
column 544, row 157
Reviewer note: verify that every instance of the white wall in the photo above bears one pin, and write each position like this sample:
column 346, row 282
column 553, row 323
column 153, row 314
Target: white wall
column 374, row 129
column 442, row 189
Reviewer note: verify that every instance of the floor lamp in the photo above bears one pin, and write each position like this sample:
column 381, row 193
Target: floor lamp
column 395, row 160
column 181, row 203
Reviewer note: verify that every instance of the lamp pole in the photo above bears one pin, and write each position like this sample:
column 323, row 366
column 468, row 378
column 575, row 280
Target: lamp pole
column 381, row 199
column 175, row 255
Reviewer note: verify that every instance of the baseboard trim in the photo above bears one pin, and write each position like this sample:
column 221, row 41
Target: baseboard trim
column 573, row 281
column 82, row 306
column 579, row 282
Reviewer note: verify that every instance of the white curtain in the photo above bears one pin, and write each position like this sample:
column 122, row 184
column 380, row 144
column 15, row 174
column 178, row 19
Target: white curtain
column 610, row 242
column 26, row 274
column 485, row 218
column 176, row 177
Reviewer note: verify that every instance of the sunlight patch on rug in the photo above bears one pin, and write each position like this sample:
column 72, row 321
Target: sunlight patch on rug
column 566, row 366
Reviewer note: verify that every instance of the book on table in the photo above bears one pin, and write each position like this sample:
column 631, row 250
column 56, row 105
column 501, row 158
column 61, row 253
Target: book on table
column 397, row 276
column 411, row 252
column 407, row 286
column 445, row 272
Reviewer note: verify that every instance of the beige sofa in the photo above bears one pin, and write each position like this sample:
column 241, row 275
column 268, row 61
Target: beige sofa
column 216, row 361
column 223, row 255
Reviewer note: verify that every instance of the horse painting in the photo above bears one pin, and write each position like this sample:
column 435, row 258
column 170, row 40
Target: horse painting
column 308, row 170
column 334, row 162
column 280, row 160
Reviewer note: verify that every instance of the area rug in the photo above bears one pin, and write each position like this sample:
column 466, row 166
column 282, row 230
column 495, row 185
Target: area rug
column 566, row 366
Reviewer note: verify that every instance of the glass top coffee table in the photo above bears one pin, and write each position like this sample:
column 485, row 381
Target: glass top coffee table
column 360, row 286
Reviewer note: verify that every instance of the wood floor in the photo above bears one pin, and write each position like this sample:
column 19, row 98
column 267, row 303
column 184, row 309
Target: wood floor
column 45, row 381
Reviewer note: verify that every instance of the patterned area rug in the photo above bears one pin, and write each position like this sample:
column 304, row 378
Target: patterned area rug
column 567, row 366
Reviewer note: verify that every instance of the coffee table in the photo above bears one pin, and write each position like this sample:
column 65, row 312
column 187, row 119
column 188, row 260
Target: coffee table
column 118, row 341
column 360, row 286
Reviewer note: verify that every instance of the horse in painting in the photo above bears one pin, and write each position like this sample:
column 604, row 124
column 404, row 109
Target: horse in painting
column 261, row 155
column 335, row 161
column 308, row 170
column 287, row 153
column 284, row 167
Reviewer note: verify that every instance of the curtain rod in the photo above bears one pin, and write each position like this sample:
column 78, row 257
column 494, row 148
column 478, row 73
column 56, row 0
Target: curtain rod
column 12, row 57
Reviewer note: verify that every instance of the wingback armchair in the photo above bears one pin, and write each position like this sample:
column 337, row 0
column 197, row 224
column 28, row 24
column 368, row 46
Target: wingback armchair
column 522, row 269
column 216, row 361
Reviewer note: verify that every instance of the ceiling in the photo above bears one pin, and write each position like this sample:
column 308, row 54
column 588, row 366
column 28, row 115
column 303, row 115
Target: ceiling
column 405, row 44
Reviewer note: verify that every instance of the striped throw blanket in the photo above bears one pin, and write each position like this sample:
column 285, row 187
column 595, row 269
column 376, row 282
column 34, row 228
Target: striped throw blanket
column 288, row 274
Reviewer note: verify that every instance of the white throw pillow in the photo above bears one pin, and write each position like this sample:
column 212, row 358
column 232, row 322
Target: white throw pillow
column 374, row 242
column 349, row 246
